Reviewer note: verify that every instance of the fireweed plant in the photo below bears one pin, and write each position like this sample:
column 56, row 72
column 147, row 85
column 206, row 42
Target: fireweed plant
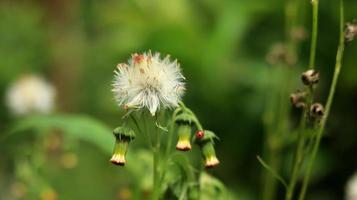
column 314, row 115
column 150, row 89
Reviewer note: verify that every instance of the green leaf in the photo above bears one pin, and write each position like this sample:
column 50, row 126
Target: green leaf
column 73, row 126
column 272, row 171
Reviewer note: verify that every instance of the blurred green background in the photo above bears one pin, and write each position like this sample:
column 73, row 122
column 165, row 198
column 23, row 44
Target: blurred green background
column 221, row 46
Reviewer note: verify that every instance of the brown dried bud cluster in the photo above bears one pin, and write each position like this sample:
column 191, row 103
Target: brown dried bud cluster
column 279, row 54
column 297, row 99
column 298, row 33
column 317, row 110
column 310, row 77
column 351, row 31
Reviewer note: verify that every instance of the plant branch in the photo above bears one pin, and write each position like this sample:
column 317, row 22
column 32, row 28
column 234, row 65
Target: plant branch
column 315, row 15
column 330, row 98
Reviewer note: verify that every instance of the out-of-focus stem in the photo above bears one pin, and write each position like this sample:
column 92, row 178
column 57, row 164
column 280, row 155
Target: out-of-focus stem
column 298, row 157
column 315, row 17
column 321, row 128
column 275, row 117
column 270, row 183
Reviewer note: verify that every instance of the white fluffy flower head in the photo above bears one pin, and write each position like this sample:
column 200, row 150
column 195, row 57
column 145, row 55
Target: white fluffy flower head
column 30, row 94
column 351, row 188
column 148, row 81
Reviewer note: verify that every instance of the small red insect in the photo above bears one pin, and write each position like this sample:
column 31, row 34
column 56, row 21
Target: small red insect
column 200, row 134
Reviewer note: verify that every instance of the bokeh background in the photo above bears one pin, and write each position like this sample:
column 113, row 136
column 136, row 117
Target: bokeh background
column 222, row 47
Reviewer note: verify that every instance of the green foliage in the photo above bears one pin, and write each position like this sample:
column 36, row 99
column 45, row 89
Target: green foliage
column 75, row 127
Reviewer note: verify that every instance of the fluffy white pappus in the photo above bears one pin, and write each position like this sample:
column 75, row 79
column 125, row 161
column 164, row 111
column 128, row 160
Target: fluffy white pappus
column 148, row 81
column 351, row 188
column 30, row 94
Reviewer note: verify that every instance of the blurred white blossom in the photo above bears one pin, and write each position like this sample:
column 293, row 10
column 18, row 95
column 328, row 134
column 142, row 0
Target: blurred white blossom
column 30, row 94
column 351, row 188
column 148, row 81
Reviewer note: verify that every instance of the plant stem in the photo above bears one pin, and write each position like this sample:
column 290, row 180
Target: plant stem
column 270, row 184
column 156, row 173
column 170, row 139
column 274, row 117
column 196, row 121
column 321, row 128
column 299, row 151
column 315, row 15
column 298, row 157
column 299, row 154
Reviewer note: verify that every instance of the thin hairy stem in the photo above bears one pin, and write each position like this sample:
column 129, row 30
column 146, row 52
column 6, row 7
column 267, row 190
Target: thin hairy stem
column 330, row 98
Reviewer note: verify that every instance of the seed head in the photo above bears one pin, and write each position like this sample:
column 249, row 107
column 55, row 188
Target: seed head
column 310, row 77
column 298, row 98
column 317, row 110
column 30, row 94
column 351, row 31
column 279, row 54
column 298, row 33
column 148, row 81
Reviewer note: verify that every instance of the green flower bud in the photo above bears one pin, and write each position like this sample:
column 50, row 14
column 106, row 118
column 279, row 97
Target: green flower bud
column 206, row 144
column 209, row 155
column 123, row 136
column 184, row 122
column 184, row 133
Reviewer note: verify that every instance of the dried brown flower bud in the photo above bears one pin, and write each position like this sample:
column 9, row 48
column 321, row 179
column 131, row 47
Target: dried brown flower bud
column 298, row 33
column 351, row 31
column 310, row 77
column 297, row 99
column 317, row 110
column 279, row 54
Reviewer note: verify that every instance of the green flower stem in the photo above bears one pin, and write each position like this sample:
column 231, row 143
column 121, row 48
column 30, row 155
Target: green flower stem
column 299, row 151
column 196, row 121
column 170, row 141
column 156, row 172
column 321, row 128
column 315, row 15
column 299, row 156
column 171, row 137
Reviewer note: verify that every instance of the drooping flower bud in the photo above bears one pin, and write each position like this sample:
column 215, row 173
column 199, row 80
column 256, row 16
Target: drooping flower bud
column 351, row 31
column 184, row 122
column 310, row 77
column 298, row 99
column 206, row 144
column 123, row 136
column 317, row 110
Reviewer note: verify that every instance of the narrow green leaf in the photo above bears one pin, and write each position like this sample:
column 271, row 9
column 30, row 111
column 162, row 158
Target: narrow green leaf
column 272, row 171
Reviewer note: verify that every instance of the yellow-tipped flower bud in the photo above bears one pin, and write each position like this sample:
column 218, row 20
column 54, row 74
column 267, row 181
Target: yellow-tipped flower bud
column 123, row 136
column 184, row 122
column 206, row 143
